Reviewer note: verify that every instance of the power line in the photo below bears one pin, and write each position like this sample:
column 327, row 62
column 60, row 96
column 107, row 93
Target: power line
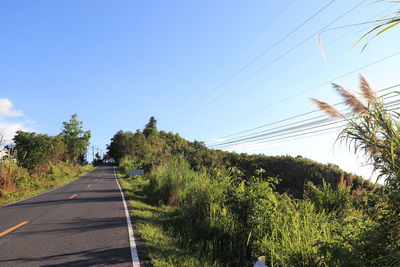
column 286, row 131
column 281, row 139
column 260, row 55
column 290, row 131
column 297, row 116
column 296, row 62
column 276, row 138
column 286, row 53
column 269, row 22
column 280, row 71
column 311, row 88
column 303, row 135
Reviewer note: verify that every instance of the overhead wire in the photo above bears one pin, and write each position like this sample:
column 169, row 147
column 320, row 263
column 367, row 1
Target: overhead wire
column 290, row 138
column 298, row 125
column 269, row 22
column 291, row 65
column 286, row 53
column 299, row 128
column 297, row 116
column 268, row 136
column 252, row 61
column 312, row 88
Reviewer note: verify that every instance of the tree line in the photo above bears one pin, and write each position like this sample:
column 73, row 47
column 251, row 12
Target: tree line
column 36, row 162
column 150, row 147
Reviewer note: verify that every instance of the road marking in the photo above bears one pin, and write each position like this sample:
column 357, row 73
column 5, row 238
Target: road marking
column 74, row 195
column 13, row 228
column 134, row 254
column 89, row 185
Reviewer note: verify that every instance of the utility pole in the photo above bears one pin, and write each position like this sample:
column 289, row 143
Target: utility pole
column 93, row 153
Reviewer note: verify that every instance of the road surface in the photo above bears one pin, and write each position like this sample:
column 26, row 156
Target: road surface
column 80, row 224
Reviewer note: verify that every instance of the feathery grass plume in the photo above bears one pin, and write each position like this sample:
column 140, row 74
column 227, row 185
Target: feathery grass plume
column 369, row 93
column 350, row 99
column 333, row 112
column 321, row 47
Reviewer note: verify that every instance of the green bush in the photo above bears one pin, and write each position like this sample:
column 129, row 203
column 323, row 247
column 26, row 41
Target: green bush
column 231, row 222
column 325, row 198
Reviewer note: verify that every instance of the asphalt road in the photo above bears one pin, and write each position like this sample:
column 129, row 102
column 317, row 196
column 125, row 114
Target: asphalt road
column 80, row 224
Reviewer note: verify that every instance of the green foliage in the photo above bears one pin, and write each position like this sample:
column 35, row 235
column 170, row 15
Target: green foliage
column 11, row 176
column 232, row 222
column 294, row 172
column 75, row 138
column 97, row 161
column 151, row 127
column 325, row 198
column 37, row 159
column 35, row 150
column 227, row 208
column 17, row 183
column 376, row 134
column 373, row 130
column 383, row 24
column 149, row 150
column 122, row 145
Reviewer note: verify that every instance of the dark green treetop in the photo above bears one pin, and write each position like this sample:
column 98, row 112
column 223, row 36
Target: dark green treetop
column 75, row 138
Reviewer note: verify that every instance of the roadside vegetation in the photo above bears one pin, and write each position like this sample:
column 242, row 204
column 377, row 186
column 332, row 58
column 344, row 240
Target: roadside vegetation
column 215, row 208
column 37, row 162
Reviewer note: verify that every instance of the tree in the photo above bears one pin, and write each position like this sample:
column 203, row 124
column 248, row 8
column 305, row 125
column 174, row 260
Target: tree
column 75, row 138
column 32, row 149
column 121, row 145
column 98, row 160
column 151, row 127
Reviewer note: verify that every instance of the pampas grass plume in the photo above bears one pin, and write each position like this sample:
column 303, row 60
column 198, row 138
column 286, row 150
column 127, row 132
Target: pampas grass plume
column 369, row 93
column 333, row 112
column 350, row 99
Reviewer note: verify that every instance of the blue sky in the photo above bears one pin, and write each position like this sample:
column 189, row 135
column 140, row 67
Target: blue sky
column 116, row 63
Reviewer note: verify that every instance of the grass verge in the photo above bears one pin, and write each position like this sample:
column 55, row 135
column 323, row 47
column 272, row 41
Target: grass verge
column 57, row 176
column 161, row 247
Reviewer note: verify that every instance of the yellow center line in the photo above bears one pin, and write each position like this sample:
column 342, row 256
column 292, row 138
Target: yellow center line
column 13, row 228
column 89, row 185
column 74, row 195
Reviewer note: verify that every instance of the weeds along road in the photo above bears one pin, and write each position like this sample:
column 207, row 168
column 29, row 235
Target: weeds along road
column 80, row 224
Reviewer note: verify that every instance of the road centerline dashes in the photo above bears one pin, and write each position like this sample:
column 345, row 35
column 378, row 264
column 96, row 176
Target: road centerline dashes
column 89, row 185
column 74, row 195
column 9, row 230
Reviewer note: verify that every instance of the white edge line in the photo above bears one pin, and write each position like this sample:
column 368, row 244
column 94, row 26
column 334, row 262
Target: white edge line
column 134, row 254
column 10, row 204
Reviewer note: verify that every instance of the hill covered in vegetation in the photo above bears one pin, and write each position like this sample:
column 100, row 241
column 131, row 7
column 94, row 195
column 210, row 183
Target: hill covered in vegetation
column 197, row 206
column 150, row 148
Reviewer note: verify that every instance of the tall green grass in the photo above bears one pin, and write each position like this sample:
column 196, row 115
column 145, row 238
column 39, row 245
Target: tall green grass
column 231, row 222
column 17, row 183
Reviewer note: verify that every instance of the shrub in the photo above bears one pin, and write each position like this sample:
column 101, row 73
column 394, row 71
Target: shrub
column 327, row 199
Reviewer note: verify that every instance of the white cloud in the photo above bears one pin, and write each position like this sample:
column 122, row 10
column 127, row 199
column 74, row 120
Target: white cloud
column 6, row 109
column 8, row 130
